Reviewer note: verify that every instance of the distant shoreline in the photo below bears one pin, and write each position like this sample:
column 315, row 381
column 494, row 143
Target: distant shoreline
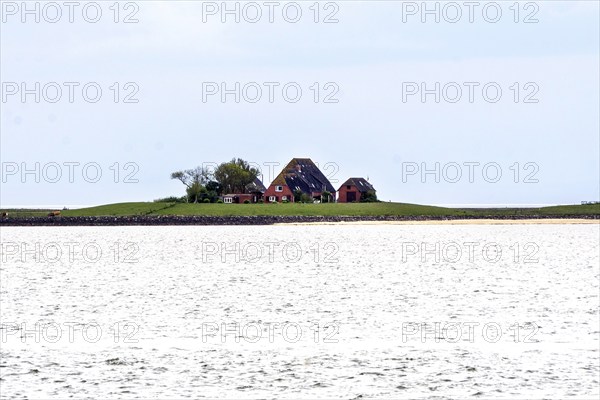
column 165, row 220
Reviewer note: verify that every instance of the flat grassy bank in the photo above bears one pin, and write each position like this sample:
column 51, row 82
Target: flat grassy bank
column 296, row 209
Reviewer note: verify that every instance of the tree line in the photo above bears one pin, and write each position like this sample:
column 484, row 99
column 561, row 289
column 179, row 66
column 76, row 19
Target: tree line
column 205, row 185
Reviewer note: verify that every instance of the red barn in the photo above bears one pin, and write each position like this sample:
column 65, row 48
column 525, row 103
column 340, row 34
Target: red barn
column 355, row 189
column 301, row 174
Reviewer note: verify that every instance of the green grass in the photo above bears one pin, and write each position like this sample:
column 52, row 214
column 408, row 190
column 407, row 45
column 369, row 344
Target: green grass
column 585, row 209
column 332, row 209
column 352, row 209
column 105, row 210
column 119, row 209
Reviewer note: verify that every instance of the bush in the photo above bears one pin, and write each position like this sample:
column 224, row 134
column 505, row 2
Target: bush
column 246, row 201
column 220, row 201
column 285, row 201
column 171, row 199
column 304, row 198
column 261, row 201
column 206, row 201
column 213, row 196
column 368, row 197
column 298, row 195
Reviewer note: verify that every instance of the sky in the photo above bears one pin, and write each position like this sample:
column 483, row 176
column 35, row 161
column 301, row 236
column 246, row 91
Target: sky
column 497, row 104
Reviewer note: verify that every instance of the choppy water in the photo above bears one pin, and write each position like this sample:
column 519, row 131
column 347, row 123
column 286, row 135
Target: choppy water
column 305, row 311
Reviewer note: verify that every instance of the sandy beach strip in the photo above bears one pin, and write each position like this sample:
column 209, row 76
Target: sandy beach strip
column 540, row 221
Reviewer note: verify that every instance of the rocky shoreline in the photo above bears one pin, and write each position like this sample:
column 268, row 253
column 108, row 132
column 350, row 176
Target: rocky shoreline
column 158, row 220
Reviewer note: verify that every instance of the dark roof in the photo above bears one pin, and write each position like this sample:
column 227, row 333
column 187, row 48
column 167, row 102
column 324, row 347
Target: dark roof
column 303, row 174
column 361, row 184
column 256, row 186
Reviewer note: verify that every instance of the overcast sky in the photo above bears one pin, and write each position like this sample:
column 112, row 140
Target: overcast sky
column 370, row 119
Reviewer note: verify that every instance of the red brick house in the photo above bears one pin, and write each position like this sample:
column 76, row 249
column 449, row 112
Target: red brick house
column 239, row 198
column 253, row 192
column 354, row 189
column 300, row 174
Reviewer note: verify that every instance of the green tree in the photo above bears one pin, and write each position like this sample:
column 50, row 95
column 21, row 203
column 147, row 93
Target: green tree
column 325, row 196
column 368, row 197
column 233, row 176
column 297, row 195
column 195, row 192
column 194, row 180
column 214, row 186
column 213, row 191
column 305, row 198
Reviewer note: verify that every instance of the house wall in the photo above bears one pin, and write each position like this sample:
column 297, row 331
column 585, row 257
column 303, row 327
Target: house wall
column 332, row 197
column 244, row 197
column 240, row 198
column 287, row 192
column 343, row 193
column 271, row 192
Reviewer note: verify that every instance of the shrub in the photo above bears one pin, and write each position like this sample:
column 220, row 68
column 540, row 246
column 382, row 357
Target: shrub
column 246, row 201
column 220, row 201
column 298, row 195
column 171, row 199
column 304, row 198
column 368, row 197
column 261, row 201
column 195, row 193
column 206, row 201
column 285, row 201
column 213, row 196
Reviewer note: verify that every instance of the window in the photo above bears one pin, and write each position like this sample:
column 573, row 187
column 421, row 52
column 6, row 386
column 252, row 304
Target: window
column 348, row 187
column 272, row 199
column 228, row 200
column 279, row 188
column 283, row 198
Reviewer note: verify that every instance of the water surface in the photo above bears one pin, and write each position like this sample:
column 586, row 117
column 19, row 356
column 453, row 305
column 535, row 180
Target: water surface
column 300, row 311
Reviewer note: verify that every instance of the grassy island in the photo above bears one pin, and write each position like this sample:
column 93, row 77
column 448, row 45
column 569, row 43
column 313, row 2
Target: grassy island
column 298, row 209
